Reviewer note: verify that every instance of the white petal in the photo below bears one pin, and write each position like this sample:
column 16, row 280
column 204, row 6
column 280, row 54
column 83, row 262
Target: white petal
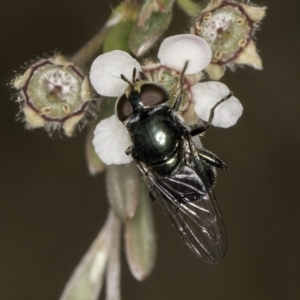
column 176, row 50
column 106, row 70
column 206, row 94
column 111, row 139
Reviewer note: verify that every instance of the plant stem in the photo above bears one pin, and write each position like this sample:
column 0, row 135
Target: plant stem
column 88, row 51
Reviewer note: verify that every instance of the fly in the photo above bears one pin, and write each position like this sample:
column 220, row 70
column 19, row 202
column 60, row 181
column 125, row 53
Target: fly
column 178, row 175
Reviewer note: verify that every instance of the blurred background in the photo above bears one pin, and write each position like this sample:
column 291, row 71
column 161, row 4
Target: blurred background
column 52, row 209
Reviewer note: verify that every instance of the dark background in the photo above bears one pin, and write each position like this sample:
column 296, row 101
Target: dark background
column 51, row 209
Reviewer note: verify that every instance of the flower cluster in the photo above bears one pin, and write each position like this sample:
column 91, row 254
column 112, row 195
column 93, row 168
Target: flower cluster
column 111, row 138
column 56, row 95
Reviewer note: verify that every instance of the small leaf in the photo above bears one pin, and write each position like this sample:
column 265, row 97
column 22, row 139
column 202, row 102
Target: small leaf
column 150, row 26
column 140, row 238
column 123, row 190
column 189, row 7
column 87, row 279
column 117, row 38
column 113, row 272
column 161, row 5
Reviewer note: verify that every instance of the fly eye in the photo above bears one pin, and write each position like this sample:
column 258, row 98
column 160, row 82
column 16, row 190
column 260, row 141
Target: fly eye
column 153, row 94
column 123, row 108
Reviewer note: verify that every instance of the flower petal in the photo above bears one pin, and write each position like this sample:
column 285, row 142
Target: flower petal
column 256, row 14
column 206, row 94
column 249, row 56
column 106, row 70
column 176, row 50
column 111, row 139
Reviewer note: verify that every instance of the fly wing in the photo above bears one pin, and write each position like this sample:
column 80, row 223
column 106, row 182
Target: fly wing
column 189, row 202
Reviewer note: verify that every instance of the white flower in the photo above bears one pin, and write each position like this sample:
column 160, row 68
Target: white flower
column 111, row 138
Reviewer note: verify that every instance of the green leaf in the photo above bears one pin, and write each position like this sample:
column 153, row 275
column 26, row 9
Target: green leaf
column 140, row 238
column 150, row 26
column 117, row 38
column 123, row 189
column 87, row 279
column 123, row 17
column 189, row 7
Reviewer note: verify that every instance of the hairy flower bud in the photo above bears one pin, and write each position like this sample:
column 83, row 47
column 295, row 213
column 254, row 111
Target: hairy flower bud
column 54, row 94
column 229, row 28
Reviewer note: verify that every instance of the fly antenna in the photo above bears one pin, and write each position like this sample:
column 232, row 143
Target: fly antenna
column 133, row 78
column 178, row 100
column 133, row 74
column 126, row 80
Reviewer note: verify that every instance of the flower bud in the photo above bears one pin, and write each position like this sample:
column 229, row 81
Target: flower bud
column 229, row 28
column 152, row 21
column 54, row 94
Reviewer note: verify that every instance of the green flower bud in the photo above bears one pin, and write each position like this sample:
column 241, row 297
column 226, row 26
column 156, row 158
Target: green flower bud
column 54, row 94
column 229, row 28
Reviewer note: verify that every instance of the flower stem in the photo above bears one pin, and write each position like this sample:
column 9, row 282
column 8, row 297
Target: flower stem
column 88, row 51
column 91, row 48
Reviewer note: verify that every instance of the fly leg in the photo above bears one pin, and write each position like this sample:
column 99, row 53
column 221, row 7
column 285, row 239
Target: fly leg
column 178, row 100
column 129, row 150
column 207, row 124
column 211, row 159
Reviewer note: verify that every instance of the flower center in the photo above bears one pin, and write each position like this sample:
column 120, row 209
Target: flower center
column 55, row 91
column 170, row 80
column 217, row 26
column 227, row 30
column 59, row 85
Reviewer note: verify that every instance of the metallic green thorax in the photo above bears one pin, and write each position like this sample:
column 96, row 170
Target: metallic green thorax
column 156, row 138
column 155, row 130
